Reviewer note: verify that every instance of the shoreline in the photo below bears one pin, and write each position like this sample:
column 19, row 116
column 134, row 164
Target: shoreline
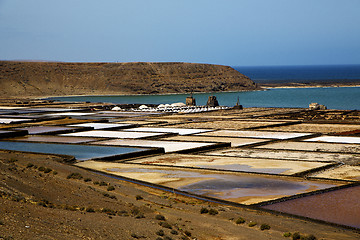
column 338, row 86
column 263, row 88
column 310, row 85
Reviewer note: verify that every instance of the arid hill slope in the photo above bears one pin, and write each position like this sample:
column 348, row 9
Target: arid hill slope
column 34, row 79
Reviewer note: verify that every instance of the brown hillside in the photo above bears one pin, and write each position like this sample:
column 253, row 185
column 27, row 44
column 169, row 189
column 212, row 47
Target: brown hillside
column 35, row 79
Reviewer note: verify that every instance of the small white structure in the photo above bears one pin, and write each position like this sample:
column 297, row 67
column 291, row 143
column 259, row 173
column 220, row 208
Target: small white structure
column 316, row 106
column 179, row 104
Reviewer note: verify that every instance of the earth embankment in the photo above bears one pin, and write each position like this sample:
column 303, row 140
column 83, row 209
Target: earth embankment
column 37, row 79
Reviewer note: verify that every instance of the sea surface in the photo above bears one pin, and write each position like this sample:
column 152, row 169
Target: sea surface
column 302, row 74
column 332, row 97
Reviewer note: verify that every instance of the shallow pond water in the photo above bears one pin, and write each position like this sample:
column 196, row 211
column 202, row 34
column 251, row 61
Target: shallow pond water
column 53, row 139
column 240, row 188
column 80, row 152
column 47, row 129
column 340, row 206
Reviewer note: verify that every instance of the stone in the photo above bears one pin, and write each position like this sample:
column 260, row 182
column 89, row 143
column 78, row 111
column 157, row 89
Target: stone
column 190, row 101
column 212, row 102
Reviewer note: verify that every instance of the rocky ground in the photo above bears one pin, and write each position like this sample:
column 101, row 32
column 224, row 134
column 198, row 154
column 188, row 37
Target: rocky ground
column 44, row 198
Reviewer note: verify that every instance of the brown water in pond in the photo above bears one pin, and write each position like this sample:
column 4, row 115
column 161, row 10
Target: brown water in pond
column 340, row 206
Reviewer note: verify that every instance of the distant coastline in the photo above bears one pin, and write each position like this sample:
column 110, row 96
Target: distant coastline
column 309, row 85
column 303, row 76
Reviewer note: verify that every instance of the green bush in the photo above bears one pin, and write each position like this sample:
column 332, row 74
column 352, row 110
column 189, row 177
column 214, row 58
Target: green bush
column 110, row 188
column 41, row 169
column 296, row 236
column 103, row 183
column 165, row 225
column 134, row 235
column 135, row 211
column 90, row 209
column 204, row 210
column 140, row 215
column 310, row 237
column 29, row 165
column 112, row 197
column 174, row 232
column 287, row 234
column 160, row 217
column 213, row 212
column 187, row 233
column 264, row 226
column 108, row 211
column 96, row 183
column 123, row 213
column 47, row 170
column 160, row 232
column 138, row 197
column 240, row 220
column 252, row 224
column 87, row 179
column 74, row 176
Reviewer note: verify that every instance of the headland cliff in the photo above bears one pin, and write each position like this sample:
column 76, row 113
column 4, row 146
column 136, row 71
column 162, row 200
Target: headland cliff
column 39, row 79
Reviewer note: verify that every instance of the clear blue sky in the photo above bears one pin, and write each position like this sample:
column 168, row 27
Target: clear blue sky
column 229, row 32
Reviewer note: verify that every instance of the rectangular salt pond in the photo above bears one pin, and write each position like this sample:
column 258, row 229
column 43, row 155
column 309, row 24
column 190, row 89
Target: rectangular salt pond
column 6, row 133
column 58, row 109
column 180, row 131
column 344, row 172
column 255, row 134
column 103, row 125
column 126, row 114
column 236, row 187
column 80, row 152
column 48, row 129
column 140, row 122
column 54, row 139
column 71, row 114
column 286, row 155
column 316, row 128
column 314, row 146
column 169, row 146
column 14, row 120
column 340, row 206
column 232, row 163
column 335, row 139
column 114, row 134
column 235, row 142
column 228, row 124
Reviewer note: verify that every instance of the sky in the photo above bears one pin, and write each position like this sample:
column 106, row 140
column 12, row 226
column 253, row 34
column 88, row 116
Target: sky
column 227, row 32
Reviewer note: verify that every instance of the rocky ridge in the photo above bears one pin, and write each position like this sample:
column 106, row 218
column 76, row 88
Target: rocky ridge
column 38, row 79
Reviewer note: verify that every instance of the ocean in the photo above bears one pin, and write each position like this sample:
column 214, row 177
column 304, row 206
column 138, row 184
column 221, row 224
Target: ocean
column 302, row 74
column 331, row 97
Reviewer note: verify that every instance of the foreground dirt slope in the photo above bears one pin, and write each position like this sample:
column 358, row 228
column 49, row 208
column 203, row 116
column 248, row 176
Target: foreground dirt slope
column 18, row 79
column 38, row 200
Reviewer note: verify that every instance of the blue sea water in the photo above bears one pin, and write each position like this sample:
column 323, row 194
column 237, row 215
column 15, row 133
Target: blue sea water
column 332, row 97
column 301, row 74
